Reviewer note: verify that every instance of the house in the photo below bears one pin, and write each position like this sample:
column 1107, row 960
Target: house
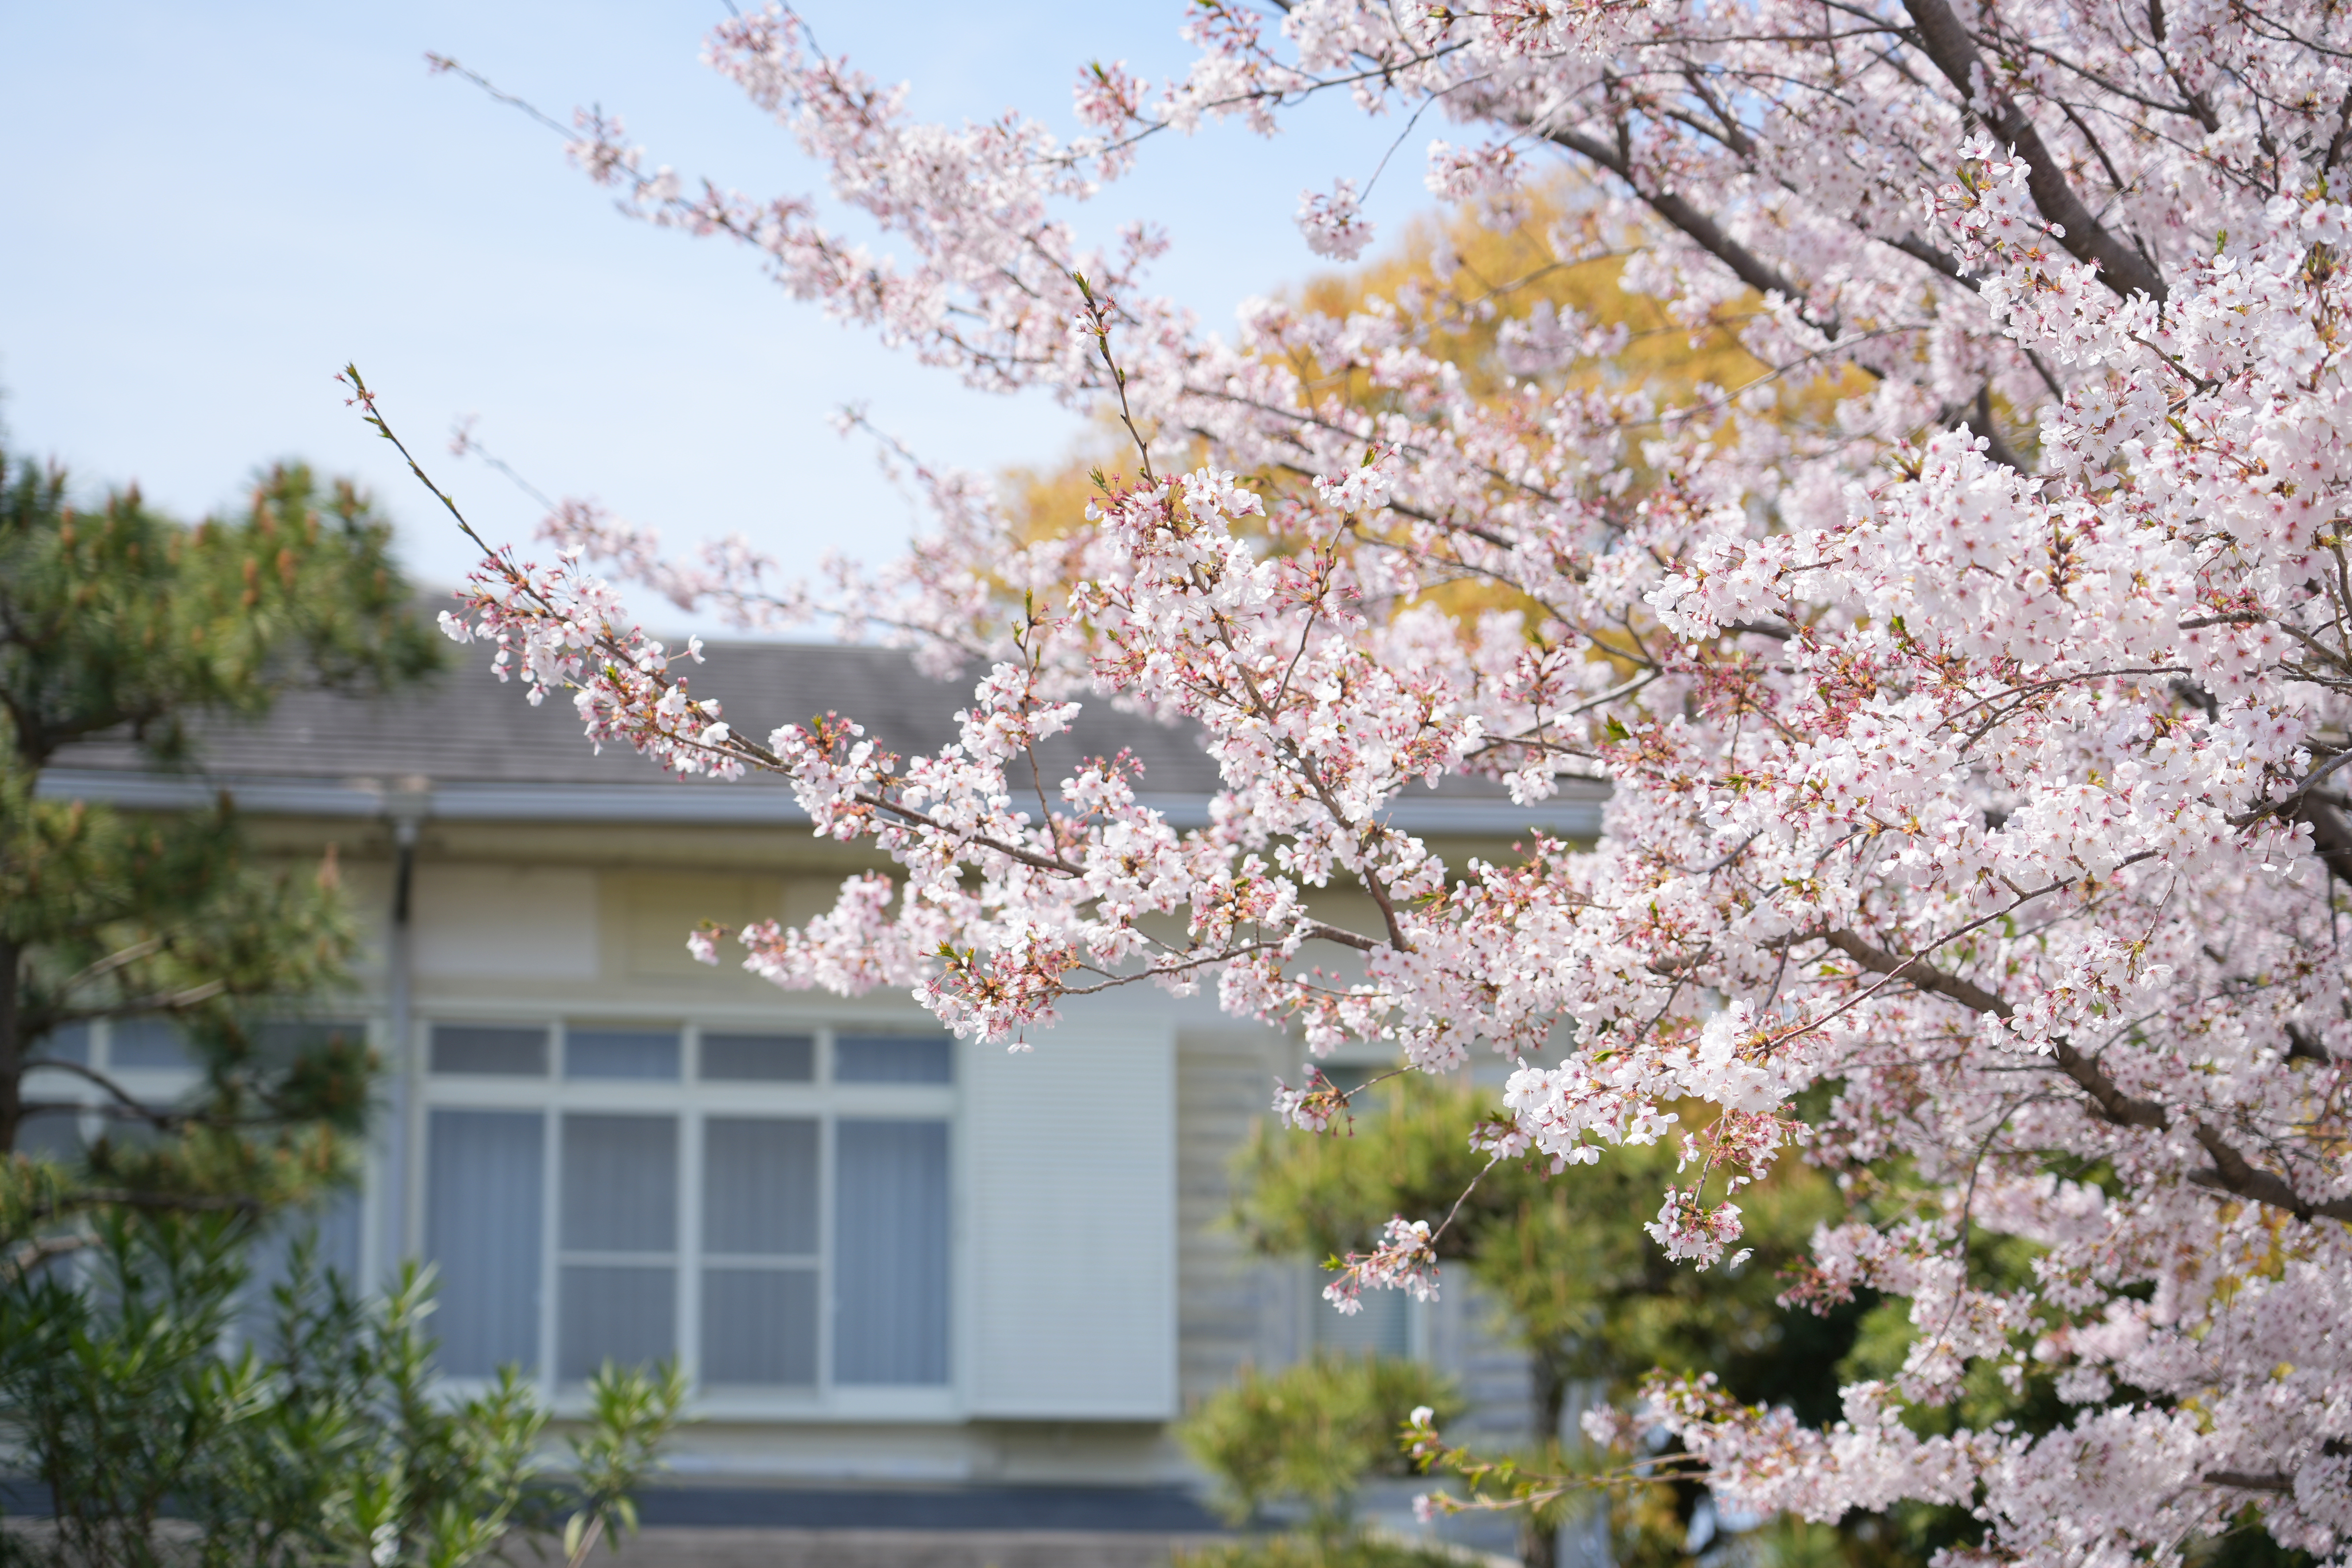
column 879, row 1252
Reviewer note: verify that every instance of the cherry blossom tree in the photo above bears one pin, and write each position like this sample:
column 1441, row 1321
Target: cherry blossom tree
column 1969, row 684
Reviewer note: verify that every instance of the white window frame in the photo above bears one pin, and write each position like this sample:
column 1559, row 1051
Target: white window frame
column 693, row 1103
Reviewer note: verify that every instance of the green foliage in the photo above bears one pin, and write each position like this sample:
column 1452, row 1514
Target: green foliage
column 631, row 1411
column 1311, row 1434
column 117, row 623
column 1583, row 1286
column 1566, row 1257
column 321, row 1440
column 119, row 619
column 1567, row 1264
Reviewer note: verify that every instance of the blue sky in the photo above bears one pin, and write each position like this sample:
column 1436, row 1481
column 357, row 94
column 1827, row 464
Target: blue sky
column 212, row 207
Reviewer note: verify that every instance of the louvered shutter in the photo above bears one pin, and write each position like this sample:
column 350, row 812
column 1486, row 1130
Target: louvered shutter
column 1071, row 1223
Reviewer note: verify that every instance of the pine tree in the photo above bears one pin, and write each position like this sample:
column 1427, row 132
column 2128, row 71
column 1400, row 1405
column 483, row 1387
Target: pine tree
column 119, row 622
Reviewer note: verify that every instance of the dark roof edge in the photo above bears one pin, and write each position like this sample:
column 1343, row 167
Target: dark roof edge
column 705, row 805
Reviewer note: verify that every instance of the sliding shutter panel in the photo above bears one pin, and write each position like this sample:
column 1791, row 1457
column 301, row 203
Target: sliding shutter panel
column 1073, row 1223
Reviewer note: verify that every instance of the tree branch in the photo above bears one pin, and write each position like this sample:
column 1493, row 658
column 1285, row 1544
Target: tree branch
column 1750, row 267
column 1947, row 43
column 2331, row 836
column 33, row 1254
column 1979, row 422
column 114, row 960
column 129, row 1101
column 2232, row 1173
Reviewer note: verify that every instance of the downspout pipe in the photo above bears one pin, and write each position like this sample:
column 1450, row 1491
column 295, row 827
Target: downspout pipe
column 405, row 808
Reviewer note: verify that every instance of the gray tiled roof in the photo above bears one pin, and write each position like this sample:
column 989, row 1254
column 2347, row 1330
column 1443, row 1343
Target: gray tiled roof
column 480, row 749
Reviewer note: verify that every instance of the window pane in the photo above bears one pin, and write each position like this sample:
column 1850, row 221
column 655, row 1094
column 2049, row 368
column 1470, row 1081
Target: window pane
column 893, row 1058
column 620, row 1184
column 69, row 1044
column 333, row 1228
column 50, row 1135
column 758, row 1185
column 759, row 1325
column 278, row 1043
column 621, row 1053
column 890, row 1244
column 759, row 1059
column 482, row 1229
column 1383, row 1326
column 147, row 1043
column 474, row 1048
column 626, row 1315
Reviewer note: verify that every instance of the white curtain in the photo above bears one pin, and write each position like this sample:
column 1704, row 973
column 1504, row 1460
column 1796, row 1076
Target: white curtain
column 620, row 1192
column 760, row 1197
column 891, row 1252
column 482, row 1220
column 624, row 1313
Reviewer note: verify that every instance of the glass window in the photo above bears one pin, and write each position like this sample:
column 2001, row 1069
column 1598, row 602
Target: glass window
column 890, row 1272
column 67, row 1044
column 278, row 1042
column 56, row 1134
column 760, row 1185
column 477, row 1049
column 759, row 1059
column 147, row 1043
column 758, row 1326
column 621, row 1053
column 617, row 1312
column 759, row 1245
column 617, row 1288
column 331, row 1227
column 1383, row 1326
column 894, row 1058
column 620, row 1184
column 817, row 1254
column 483, row 1173
column 51, row 1135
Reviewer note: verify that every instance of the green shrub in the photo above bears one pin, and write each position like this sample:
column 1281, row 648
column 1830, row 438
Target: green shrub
column 325, row 1439
column 1311, row 1435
